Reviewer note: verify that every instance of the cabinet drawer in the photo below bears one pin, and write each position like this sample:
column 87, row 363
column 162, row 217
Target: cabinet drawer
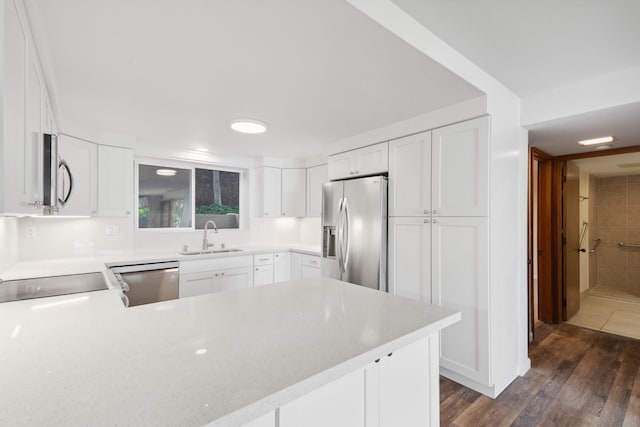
column 209, row 264
column 311, row 261
column 263, row 259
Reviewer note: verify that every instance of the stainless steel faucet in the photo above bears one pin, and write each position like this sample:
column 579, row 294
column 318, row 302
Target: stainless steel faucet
column 205, row 240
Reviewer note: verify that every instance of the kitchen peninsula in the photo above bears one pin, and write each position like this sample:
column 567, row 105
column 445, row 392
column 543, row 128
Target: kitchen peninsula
column 304, row 352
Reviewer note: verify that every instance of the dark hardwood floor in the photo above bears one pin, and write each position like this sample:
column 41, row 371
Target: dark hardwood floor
column 578, row 377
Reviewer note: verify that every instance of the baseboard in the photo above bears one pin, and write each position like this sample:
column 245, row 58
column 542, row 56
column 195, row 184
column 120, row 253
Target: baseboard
column 473, row 385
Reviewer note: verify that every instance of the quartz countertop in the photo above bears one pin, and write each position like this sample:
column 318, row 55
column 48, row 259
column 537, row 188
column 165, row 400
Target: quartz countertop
column 79, row 265
column 219, row 359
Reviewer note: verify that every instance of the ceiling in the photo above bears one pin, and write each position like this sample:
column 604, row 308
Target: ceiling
column 176, row 73
column 534, row 46
column 559, row 137
column 616, row 165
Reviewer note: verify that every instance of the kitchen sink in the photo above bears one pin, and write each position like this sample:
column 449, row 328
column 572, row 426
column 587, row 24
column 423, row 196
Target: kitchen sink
column 210, row 251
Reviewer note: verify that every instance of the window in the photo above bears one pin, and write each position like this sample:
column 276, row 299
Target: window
column 164, row 197
column 217, row 198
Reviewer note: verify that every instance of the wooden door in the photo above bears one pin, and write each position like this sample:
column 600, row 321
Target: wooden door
column 571, row 208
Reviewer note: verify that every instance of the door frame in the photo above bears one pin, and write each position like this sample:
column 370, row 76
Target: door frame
column 557, row 225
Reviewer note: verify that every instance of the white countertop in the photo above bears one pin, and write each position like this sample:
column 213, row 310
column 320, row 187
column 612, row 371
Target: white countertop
column 63, row 266
column 224, row 358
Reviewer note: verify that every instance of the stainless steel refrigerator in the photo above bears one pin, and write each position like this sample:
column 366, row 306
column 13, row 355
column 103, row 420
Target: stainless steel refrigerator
column 354, row 231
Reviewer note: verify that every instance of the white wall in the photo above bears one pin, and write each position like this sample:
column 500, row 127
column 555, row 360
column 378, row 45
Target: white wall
column 82, row 237
column 8, row 242
column 584, row 217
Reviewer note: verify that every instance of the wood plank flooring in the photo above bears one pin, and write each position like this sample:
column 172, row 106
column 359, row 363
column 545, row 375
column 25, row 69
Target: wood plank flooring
column 578, row 377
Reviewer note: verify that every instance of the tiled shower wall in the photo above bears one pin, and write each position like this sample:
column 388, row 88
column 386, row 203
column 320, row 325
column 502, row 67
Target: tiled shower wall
column 618, row 219
column 593, row 230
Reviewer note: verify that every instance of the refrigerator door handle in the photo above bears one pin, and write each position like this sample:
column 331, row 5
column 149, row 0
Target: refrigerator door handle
column 339, row 234
column 348, row 236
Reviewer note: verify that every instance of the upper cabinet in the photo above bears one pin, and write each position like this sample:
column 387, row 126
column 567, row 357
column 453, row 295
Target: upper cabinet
column 26, row 113
column 294, row 189
column 441, row 173
column 77, row 177
column 460, row 159
column 280, row 192
column 316, row 176
column 369, row 160
column 115, row 181
column 410, row 175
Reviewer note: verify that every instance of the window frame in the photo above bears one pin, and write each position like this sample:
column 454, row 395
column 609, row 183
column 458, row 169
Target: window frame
column 192, row 166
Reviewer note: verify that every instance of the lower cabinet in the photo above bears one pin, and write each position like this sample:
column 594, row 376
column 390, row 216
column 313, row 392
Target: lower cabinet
column 263, row 275
column 444, row 261
column 281, row 267
column 310, row 266
column 399, row 389
column 215, row 281
column 204, row 276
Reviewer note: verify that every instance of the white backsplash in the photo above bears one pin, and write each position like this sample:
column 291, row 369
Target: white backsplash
column 310, row 233
column 8, row 242
column 48, row 238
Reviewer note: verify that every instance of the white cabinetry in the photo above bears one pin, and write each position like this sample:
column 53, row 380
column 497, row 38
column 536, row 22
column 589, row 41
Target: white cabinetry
column 203, row 276
column 263, row 269
column 279, row 192
column 461, row 169
column 26, row 113
column 281, row 266
column 294, row 185
column 310, row 266
column 296, row 265
column 267, row 420
column 316, row 176
column 410, row 257
column 410, row 175
column 115, row 181
column 77, row 176
column 439, row 237
column 460, row 280
column 369, row 160
column 399, row 389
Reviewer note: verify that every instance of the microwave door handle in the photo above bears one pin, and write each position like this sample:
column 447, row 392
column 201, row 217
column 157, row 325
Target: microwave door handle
column 348, row 235
column 65, row 198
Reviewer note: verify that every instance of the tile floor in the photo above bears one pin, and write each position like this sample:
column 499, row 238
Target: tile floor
column 615, row 315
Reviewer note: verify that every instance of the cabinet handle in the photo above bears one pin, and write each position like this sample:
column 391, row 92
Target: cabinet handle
column 390, row 354
column 216, row 275
column 277, row 255
column 435, row 221
column 257, row 269
column 127, row 213
column 377, row 361
column 426, row 221
column 356, row 172
column 426, row 211
column 222, row 274
column 435, row 212
column 266, row 214
column 283, row 214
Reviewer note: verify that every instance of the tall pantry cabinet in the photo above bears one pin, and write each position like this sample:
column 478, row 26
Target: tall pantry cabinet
column 439, row 236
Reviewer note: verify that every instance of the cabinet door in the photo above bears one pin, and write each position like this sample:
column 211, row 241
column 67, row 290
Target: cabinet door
column 115, row 181
column 294, row 192
column 296, row 266
column 77, row 183
column 196, row 284
column 307, row 271
column 460, row 177
column 263, row 275
column 337, row 404
column 267, row 420
column 316, row 176
column 341, row 165
column 410, row 258
column 407, row 396
column 410, row 175
column 373, row 159
column 272, row 192
column 236, row 278
column 281, row 267
column 460, row 280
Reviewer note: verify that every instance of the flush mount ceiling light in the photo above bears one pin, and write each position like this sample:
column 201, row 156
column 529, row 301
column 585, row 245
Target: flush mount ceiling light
column 595, row 141
column 166, row 172
column 248, row 126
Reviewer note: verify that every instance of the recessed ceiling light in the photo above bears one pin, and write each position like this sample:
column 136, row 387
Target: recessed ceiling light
column 166, row 172
column 202, row 149
column 248, row 126
column 594, row 141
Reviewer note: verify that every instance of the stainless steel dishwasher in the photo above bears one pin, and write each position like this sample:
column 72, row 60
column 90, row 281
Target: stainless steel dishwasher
column 148, row 283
